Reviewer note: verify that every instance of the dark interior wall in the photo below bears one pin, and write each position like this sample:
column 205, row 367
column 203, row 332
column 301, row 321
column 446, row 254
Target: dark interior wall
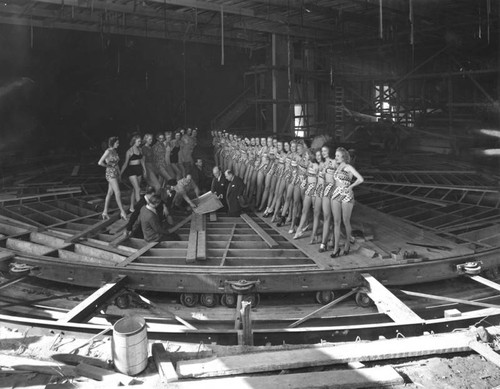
column 63, row 89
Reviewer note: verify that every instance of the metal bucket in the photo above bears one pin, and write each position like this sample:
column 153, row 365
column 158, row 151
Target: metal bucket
column 130, row 345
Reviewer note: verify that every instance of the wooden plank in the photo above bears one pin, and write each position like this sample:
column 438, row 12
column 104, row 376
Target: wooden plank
column 192, row 246
column 99, row 374
column 201, row 246
column 379, row 377
column 94, row 301
column 207, row 203
column 6, row 255
column 486, row 282
column 180, row 224
column 450, row 299
column 137, row 254
column 327, row 355
column 226, row 250
column 245, row 335
column 258, row 229
column 323, row 308
column 92, row 229
column 38, row 366
column 485, row 351
column 120, row 237
column 389, row 304
column 28, row 247
column 12, row 282
column 163, row 363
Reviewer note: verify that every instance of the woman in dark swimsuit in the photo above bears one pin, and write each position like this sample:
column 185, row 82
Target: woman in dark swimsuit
column 134, row 168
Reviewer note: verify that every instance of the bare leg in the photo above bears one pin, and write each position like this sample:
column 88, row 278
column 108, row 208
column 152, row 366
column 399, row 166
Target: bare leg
column 337, row 217
column 317, row 214
column 178, row 173
column 260, row 187
column 116, row 189
column 306, row 206
column 346, row 216
column 136, row 193
column 327, row 218
column 106, row 201
column 164, row 173
column 297, row 202
column 278, row 198
column 151, row 178
column 170, row 170
column 288, row 200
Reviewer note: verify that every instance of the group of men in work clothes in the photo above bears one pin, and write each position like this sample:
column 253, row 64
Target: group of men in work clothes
column 152, row 211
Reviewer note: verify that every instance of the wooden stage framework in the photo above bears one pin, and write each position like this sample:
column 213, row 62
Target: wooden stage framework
column 410, row 226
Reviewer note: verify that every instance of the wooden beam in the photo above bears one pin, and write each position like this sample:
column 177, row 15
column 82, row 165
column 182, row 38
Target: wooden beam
column 323, row 308
column 92, row 229
column 201, row 244
column 180, row 224
column 450, row 299
column 326, row 355
column 163, row 364
column 486, row 282
column 110, row 377
column 12, row 282
column 245, row 335
column 226, row 249
column 94, row 301
column 385, row 376
column 485, row 351
column 137, row 254
column 192, row 246
column 258, row 229
column 389, row 304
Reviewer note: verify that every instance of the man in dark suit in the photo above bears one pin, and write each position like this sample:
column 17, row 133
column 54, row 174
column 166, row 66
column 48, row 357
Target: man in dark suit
column 234, row 193
column 219, row 186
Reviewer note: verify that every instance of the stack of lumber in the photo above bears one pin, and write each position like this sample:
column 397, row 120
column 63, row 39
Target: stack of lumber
column 276, row 367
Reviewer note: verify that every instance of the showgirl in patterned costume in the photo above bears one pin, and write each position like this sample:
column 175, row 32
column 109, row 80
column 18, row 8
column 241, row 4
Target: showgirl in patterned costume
column 343, row 198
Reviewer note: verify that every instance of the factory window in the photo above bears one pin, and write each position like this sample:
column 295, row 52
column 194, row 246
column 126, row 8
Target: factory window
column 383, row 95
column 300, row 114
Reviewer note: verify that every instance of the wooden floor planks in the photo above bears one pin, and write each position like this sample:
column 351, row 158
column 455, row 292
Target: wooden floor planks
column 361, row 378
column 327, row 355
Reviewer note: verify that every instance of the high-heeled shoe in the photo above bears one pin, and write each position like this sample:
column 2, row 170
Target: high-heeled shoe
column 123, row 215
column 322, row 248
column 104, row 216
column 281, row 221
column 345, row 251
column 335, row 254
column 298, row 234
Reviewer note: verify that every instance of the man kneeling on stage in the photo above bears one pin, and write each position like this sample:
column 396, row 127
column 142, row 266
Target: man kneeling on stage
column 133, row 229
column 150, row 223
